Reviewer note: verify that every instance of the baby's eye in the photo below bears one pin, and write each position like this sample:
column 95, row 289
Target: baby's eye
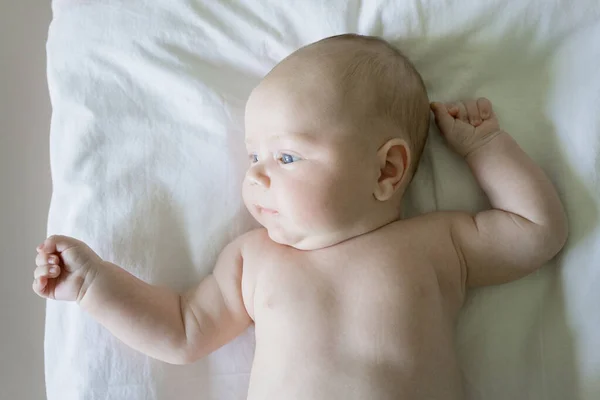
column 253, row 158
column 287, row 158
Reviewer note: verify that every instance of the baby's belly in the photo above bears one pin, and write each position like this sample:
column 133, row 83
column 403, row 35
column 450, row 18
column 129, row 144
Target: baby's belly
column 351, row 380
column 293, row 374
column 326, row 359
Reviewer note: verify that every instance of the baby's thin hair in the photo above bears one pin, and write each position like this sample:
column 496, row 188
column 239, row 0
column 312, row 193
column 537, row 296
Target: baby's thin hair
column 400, row 94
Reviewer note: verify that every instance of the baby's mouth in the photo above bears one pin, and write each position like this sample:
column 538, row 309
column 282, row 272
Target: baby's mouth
column 264, row 210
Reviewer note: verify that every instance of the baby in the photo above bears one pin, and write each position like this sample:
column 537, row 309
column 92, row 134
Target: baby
column 349, row 300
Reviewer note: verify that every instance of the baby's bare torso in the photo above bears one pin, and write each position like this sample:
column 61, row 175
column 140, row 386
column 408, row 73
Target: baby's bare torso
column 371, row 318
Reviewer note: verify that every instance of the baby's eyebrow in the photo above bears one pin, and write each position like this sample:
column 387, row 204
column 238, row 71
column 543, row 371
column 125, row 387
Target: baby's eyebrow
column 296, row 136
column 300, row 136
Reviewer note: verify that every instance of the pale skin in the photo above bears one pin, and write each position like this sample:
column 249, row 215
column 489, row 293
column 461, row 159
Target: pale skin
column 348, row 300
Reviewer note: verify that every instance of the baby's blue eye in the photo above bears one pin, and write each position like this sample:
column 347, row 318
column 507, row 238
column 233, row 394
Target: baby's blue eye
column 287, row 158
column 253, row 158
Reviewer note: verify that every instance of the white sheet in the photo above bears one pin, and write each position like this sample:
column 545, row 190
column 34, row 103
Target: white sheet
column 147, row 158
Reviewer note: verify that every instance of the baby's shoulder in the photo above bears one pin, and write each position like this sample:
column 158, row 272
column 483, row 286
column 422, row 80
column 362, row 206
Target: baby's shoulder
column 254, row 242
column 431, row 236
column 253, row 237
column 426, row 234
column 431, row 223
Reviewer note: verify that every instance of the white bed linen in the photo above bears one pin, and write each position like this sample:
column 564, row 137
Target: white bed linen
column 147, row 158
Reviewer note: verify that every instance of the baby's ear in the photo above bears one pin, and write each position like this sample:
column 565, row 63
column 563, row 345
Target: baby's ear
column 394, row 160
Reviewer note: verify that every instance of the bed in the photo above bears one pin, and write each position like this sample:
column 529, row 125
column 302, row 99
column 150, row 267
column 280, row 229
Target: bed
column 147, row 159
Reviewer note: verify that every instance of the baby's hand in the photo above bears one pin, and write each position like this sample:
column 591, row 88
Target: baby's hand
column 65, row 268
column 466, row 125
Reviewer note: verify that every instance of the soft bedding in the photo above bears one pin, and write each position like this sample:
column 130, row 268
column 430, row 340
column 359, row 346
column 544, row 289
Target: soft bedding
column 147, row 159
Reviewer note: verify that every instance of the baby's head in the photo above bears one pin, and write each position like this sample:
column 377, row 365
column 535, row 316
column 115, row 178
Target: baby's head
column 334, row 133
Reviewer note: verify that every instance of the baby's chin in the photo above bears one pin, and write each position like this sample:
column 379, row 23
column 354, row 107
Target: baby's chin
column 284, row 237
column 277, row 231
column 304, row 241
column 284, row 232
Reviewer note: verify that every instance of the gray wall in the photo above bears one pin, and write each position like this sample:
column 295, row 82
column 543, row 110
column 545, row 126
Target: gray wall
column 25, row 188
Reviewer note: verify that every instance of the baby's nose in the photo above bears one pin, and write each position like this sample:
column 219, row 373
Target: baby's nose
column 257, row 176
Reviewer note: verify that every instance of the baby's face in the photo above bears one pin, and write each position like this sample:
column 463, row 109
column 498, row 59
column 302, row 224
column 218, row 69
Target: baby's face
column 312, row 174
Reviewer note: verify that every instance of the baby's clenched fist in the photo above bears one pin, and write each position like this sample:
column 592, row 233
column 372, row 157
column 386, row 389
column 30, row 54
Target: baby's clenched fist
column 65, row 268
column 466, row 125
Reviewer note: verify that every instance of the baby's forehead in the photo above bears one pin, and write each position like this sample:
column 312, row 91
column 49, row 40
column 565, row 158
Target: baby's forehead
column 333, row 82
column 317, row 82
column 305, row 114
column 300, row 102
column 283, row 115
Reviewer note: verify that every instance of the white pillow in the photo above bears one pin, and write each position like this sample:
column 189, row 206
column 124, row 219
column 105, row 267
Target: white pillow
column 148, row 157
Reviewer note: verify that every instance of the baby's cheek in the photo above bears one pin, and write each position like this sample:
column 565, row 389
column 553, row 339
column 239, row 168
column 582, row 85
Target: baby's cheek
column 246, row 197
column 316, row 210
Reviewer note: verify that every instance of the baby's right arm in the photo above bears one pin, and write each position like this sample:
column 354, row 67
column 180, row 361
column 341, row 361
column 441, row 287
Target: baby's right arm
column 157, row 321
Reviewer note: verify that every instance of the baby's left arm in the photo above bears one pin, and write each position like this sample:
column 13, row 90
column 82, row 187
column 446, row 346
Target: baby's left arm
column 527, row 225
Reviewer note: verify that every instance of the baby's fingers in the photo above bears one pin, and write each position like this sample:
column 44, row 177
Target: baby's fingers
column 59, row 244
column 40, row 286
column 473, row 112
column 46, row 271
column 45, row 258
column 443, row 118
column 42, row 275
column 485, row 108
column 459, row 111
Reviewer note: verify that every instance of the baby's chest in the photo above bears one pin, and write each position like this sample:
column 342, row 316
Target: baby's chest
column 307, row 289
